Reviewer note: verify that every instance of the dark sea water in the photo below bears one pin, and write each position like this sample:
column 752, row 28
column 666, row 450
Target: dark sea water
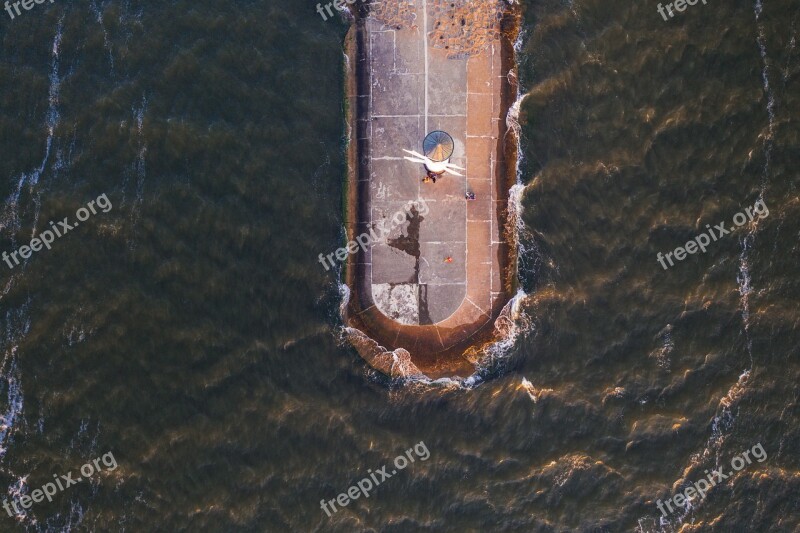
column 191, row 331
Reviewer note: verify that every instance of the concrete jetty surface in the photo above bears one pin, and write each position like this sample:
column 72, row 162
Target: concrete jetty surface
column 425, row 296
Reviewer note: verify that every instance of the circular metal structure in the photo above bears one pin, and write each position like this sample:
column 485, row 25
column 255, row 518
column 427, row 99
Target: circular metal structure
column 438, row 146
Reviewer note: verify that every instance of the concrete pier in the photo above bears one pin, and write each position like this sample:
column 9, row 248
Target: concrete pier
column 425, row 296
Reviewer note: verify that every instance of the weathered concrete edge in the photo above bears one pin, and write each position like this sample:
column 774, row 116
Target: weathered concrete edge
column 460, row 358
column 377, row 356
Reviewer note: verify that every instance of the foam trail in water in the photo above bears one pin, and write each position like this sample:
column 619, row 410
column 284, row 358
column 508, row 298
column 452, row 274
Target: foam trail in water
column 17, row 326
column 10, row 219
column 17, row 322
column 53, row 116
column 14, row 402
column 665, row 347
column 743, row 276
column 792, row 45
column 139, row 165
column 98, row 14
column 761, row 39
column 16, row 490
column 724, row 419
column 745, row 289
column 56, row 522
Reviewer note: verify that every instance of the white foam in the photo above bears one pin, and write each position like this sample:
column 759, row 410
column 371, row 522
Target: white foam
column 106, row 43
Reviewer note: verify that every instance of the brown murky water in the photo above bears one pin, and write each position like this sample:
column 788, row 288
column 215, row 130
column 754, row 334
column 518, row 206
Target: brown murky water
column 192, row 332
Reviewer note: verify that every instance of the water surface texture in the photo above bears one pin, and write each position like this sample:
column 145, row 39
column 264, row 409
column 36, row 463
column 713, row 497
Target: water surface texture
column 192, row 332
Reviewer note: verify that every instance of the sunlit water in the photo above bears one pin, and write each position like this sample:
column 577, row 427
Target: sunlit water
column 192, row 332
